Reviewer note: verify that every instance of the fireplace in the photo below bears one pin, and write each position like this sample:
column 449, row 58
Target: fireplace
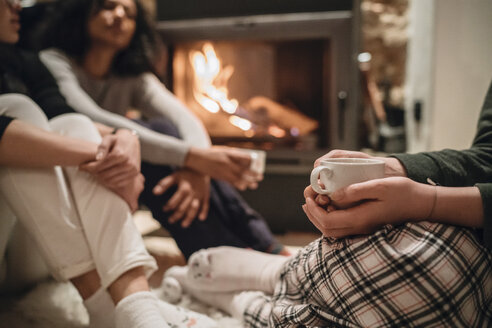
column 275, row 75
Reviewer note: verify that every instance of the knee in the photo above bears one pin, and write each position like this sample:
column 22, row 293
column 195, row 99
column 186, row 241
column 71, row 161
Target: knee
column 76, row 126
column 23, row 108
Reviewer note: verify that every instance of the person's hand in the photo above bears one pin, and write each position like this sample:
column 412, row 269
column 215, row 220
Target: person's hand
column 191, row 198
column 224, row 163
column 364, row 207
column 131, row 191
column 117, row 160
column 392, row 167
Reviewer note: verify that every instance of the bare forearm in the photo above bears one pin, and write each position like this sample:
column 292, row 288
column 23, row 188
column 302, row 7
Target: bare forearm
column 459, row 206
column 28, row 146
column 103, row 129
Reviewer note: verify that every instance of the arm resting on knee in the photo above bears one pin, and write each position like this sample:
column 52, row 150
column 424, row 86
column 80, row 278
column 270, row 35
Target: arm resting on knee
column 26, row 145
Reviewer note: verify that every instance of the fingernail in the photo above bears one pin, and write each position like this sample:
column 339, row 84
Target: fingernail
column 99, row 156
column 157, row 190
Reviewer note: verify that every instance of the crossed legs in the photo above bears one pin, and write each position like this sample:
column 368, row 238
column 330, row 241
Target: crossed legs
column 84, row 232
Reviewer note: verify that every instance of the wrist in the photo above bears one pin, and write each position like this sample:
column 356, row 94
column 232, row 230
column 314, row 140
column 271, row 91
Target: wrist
column 124, row 131
column 393, row 167
column 193, row 158
column 425, row 200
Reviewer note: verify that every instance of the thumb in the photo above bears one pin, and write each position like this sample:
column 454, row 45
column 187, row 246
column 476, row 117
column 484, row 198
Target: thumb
column 240, row 158
column 347, row 196
column 104, row 147
column 164, row 184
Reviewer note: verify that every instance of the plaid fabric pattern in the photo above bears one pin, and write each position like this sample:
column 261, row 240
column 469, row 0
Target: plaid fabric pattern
column 417, row 274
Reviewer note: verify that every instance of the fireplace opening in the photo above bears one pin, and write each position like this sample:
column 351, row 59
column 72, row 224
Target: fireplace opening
column 256, row 94
column 274, row 82
column 286, row 82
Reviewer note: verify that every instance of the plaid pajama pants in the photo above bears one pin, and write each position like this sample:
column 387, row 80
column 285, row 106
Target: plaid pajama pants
column 417, row 274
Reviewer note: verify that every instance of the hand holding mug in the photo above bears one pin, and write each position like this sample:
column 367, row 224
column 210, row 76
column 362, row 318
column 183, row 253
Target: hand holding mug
column 377, row 202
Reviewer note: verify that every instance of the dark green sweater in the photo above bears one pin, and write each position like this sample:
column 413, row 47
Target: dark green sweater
column 461, row 168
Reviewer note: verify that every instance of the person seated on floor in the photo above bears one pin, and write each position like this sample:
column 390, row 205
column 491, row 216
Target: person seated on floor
column 84, row 231
column 395, row 251
column 101, row 53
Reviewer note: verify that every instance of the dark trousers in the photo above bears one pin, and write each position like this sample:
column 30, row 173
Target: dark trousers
column 230, row 221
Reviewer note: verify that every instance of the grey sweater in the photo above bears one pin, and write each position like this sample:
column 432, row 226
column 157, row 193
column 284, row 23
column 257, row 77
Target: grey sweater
column 107, row 101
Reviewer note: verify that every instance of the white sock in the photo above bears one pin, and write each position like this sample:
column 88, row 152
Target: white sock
column 233, row 303
column 139, row 310
column 225, row 269
column 100, row 307
column 178, row 317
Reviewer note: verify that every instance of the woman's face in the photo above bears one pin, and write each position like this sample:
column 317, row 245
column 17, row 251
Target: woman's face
column 9, row 21
column 113, row 24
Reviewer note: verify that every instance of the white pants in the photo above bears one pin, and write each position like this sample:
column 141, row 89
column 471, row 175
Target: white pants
column 77, row 224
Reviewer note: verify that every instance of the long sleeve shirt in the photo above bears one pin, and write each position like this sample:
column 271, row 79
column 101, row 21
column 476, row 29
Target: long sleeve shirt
column 22, row 72
column 107, row 101
column 461, row 168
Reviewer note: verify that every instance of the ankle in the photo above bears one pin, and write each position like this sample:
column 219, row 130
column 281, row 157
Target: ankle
column 87, row 284
column 131, row 282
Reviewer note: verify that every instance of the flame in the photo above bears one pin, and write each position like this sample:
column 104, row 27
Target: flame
column 210, row 89
column 241, row 123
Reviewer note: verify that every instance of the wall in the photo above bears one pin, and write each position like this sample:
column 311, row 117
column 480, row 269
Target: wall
column 463, row 69
column 449, row 69
column 419, row 73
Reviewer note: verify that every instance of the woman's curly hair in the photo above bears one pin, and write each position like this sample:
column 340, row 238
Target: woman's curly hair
column 65, row 27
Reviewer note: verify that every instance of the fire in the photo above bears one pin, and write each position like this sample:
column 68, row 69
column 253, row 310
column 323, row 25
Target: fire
column 259, row 116
column 241, row 123
column 210, row 83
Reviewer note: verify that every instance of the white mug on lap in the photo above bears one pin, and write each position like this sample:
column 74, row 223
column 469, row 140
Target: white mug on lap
column 336, row 173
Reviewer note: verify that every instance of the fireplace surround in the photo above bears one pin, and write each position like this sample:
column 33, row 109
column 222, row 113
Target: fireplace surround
column 298, row 56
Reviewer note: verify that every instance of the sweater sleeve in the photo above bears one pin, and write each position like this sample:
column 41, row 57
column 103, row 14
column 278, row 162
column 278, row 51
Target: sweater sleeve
column 457, row 168
column 154, row 100
column 43, row 88
column 486, row 193
column 156, row 148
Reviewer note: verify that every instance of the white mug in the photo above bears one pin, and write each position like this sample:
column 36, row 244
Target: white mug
column 336, row 173
column 258, row 159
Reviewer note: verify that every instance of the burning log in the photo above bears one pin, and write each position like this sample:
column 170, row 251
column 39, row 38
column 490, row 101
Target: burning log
column 265, row 112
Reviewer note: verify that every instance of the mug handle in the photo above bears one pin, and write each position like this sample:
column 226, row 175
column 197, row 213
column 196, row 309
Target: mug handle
column 314, row 179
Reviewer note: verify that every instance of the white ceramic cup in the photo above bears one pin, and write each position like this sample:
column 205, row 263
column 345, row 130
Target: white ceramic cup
column 258, row 159
column 336, row 173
